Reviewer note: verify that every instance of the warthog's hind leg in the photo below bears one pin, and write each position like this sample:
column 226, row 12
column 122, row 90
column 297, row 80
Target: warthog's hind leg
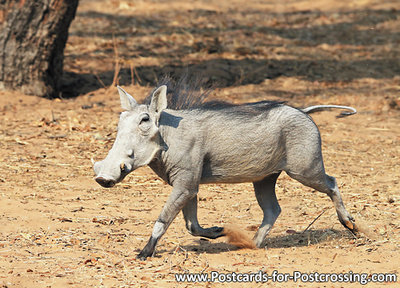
column 266, row 197
column 192, row 223
column 344, row 217
column 327, row 184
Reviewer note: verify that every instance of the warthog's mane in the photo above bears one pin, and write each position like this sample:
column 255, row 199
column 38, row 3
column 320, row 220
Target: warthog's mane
column 190, row 94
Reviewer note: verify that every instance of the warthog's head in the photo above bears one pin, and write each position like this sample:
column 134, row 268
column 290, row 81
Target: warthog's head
column 137, row 141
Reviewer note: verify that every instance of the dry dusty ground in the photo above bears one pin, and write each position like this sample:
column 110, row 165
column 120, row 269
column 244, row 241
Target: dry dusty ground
column 60, row 229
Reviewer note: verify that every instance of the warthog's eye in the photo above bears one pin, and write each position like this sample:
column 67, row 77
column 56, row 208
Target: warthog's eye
column 145, row 118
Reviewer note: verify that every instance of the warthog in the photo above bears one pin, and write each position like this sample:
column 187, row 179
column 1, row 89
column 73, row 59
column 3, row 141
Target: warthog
column 217, row 142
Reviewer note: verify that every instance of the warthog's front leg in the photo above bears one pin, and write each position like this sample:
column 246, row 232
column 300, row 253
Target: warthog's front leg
column 176, row 201
column 192, row 223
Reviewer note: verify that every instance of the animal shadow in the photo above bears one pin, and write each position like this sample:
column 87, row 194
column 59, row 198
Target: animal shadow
column 308, row 238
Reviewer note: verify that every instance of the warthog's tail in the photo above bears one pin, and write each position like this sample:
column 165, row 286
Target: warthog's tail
column 316, row 108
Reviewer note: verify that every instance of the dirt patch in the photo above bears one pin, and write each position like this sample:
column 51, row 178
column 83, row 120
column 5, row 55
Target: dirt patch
column 238, row 238
column 59, row 228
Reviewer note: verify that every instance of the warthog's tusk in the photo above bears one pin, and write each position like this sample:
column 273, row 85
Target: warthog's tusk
column 122, row 166
column 91, row 159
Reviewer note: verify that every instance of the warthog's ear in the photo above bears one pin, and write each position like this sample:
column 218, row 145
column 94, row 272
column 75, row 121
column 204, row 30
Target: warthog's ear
column 159, row 100
column 127, row 101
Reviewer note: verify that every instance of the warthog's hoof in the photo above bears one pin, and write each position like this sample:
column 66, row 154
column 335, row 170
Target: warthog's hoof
column 219, row 230
column 214, row 232
column 351, row 226
column 143, row 255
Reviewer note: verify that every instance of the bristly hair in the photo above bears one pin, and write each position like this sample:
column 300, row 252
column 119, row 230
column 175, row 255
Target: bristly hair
column 189, row 94
column 185, row 93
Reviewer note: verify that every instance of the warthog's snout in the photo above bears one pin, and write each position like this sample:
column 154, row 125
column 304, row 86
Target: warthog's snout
column 107, row 183
column 107, row 174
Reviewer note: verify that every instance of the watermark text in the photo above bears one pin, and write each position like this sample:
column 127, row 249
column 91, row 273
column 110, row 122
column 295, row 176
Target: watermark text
column 296, row 276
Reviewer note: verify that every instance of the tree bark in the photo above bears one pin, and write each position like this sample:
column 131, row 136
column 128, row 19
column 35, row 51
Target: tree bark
column 32, row 41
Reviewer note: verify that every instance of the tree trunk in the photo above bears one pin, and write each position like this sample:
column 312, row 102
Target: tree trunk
column 32, row 41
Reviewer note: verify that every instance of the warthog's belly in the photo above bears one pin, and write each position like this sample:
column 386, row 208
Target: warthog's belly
column 242, row 168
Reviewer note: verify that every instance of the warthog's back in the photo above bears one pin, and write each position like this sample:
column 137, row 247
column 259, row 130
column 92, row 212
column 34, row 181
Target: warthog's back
column 237, row 144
